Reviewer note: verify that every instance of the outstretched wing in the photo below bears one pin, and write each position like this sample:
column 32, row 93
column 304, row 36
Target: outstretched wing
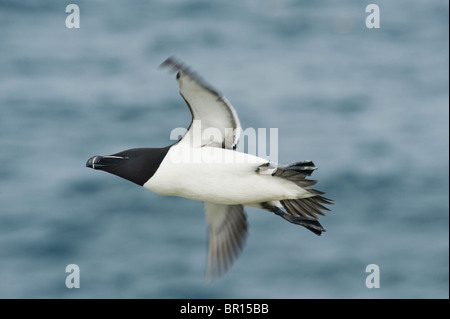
column 227, row 232
column 214, row 120
column 215, row 124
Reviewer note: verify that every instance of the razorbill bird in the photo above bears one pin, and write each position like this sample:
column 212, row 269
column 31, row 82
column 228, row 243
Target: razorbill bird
column 204, row 165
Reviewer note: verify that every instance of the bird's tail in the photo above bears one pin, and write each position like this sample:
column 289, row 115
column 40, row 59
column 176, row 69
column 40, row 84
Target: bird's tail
column 301, row 211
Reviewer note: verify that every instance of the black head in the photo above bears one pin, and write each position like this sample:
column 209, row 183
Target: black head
column 137, row 165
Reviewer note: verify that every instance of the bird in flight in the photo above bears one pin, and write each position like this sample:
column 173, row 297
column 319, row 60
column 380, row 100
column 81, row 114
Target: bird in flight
column 205, row 166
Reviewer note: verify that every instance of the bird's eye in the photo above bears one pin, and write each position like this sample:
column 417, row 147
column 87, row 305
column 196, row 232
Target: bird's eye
column 178, row 75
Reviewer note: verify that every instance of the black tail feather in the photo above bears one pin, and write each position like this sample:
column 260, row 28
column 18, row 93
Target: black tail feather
column 307, row 222
column 300, row 211
column 310, row 223
column 305, row 168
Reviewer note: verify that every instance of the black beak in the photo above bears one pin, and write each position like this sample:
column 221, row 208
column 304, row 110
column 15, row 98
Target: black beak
column 101, row 162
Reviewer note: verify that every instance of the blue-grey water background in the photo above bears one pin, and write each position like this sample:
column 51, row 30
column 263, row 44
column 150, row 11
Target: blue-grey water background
column 369, row 106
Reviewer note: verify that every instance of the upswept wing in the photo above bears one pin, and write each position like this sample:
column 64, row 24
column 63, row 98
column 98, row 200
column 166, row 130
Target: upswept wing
column 214, row 124
column 214, row 120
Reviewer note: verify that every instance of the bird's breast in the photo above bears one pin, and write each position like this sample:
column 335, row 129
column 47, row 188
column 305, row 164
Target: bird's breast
column 217, row 175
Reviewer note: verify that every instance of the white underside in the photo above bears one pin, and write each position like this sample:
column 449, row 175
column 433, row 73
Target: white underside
column 221, row 176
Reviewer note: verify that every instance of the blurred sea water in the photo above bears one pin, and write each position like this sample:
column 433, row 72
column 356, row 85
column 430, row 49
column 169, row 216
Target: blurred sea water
column 368, row 106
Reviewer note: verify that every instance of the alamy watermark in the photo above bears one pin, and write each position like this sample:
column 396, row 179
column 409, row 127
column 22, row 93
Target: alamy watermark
column 73, row 19
column 373, row 19
column 73, row 278
column 257, row 143
column 373, row 279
